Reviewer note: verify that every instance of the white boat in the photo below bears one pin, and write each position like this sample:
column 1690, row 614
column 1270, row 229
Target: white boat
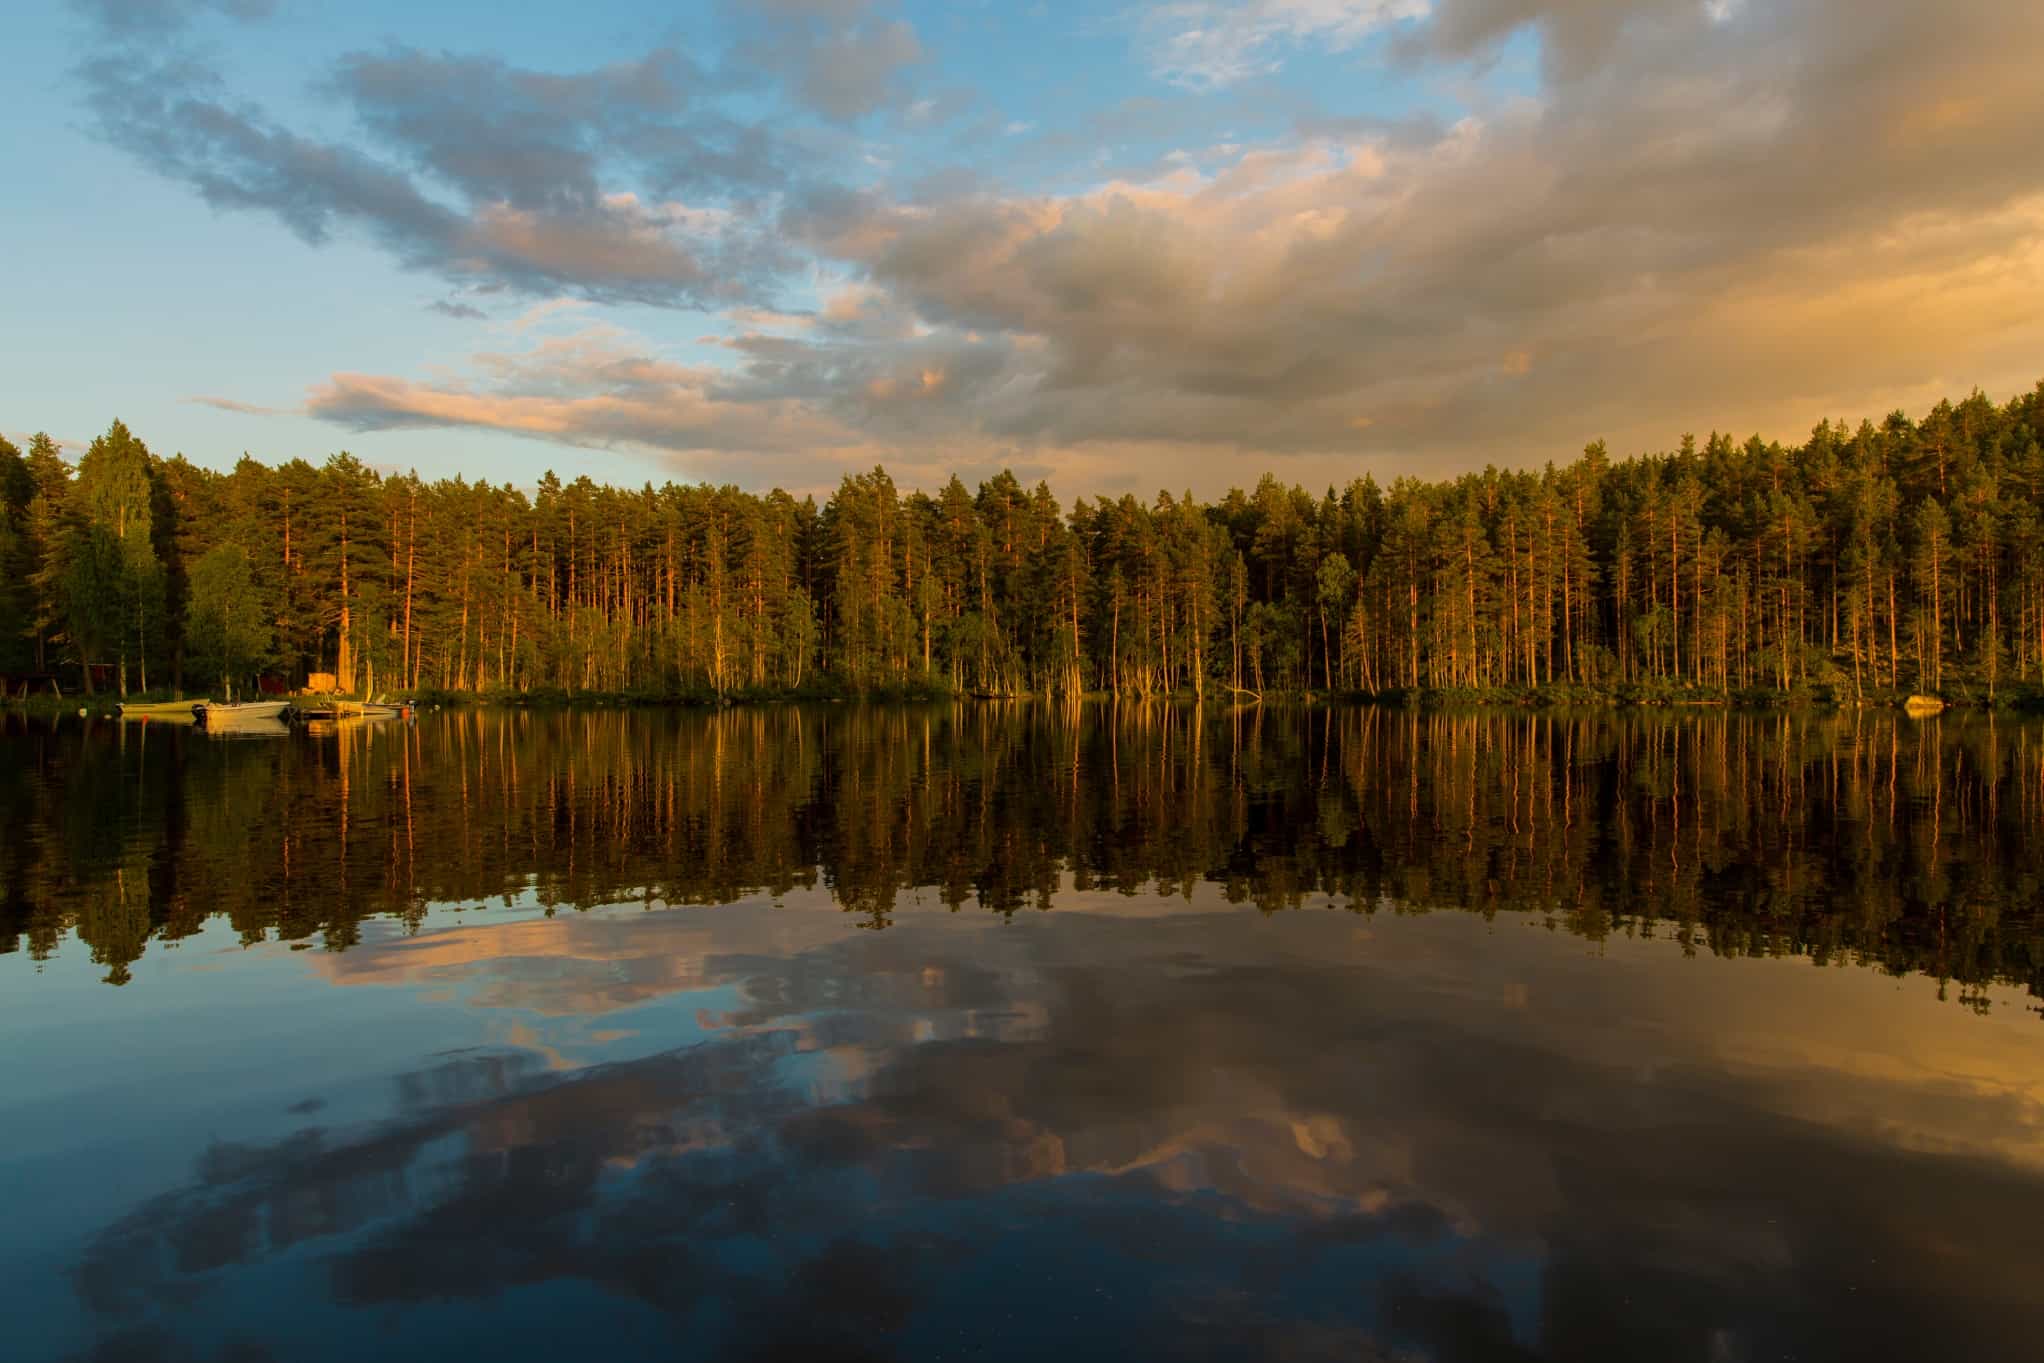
column 325, row 711
column 175, row 711
column 259, row 715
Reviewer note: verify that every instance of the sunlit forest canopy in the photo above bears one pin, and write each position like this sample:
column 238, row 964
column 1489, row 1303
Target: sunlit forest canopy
column 1903, row 555
column 1860, row 836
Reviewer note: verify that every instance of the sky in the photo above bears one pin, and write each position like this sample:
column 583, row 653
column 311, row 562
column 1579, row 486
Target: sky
column 1120, row 246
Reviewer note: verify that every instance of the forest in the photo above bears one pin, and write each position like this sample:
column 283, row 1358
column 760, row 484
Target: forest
column 1903, row 556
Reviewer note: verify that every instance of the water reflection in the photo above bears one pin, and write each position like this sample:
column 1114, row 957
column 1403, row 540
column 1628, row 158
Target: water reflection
column 1905, row 843
column 407, row 1070
column 1204, row 1136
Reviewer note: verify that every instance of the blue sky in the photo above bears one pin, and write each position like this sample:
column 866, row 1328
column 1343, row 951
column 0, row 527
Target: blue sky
column 1119, row 246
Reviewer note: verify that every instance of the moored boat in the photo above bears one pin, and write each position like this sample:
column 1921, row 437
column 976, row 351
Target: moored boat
column 258, row 714
column 179, row 711
column 318, row 711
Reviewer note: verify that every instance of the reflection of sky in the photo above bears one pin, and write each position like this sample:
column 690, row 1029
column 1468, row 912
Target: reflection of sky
column 1312, row 1135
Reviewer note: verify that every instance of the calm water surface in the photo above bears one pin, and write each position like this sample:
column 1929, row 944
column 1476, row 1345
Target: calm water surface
column 1009, row 1032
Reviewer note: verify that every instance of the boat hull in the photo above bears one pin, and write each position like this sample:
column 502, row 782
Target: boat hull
column 324, row 712
column 165, row 709
column 254, row 715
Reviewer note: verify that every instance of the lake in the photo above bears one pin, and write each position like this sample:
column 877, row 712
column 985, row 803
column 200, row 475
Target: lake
column 1005, row 1031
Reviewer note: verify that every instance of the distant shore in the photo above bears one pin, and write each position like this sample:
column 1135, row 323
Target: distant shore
column 2022, row 698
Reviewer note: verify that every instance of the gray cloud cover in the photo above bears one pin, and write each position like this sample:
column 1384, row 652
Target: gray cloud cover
column 838, row 58
column 1701, row 216
column 528, row 216
column 156, row 18
column 542, row 141
column 625, row 183
column 1710, row 213
column 460, row 312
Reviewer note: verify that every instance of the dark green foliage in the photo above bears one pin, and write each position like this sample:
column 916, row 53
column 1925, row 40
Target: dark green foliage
column 17, row 562
column 1864, row 564
column 227, row 633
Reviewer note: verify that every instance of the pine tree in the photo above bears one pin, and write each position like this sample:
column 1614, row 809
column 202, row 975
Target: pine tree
column 17, row 562
column 48, row 528
column 114, row 597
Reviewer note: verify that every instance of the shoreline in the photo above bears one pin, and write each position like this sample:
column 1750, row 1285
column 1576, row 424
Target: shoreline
column 2024, row 698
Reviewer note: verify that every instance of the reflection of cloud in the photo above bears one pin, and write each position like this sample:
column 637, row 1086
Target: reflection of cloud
column 1823, row 1039
column 1339, row 1130
column 580, row 965
column 1825, row 1044
column 587, row 964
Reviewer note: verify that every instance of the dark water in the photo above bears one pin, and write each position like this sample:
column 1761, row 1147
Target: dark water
column 1010, row 1032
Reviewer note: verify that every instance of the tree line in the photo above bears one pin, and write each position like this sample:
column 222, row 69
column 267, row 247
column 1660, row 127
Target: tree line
column 1903, row 555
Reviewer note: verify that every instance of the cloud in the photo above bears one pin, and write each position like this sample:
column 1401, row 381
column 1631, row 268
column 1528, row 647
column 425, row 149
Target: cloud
column 1209, row 44
column 1576, row 36
column 463, row 312
column 231, row 405
column 156, row 18
column 856, row 71
column 538, row 140
column 1705, row 216
column 794, row 411
column 835, row 57
column 600, row 388
column 494, row 182
column 1767, row 220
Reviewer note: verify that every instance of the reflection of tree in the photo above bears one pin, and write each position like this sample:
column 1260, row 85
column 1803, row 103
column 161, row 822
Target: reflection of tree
column 1160, row 1168
column 1836, row 836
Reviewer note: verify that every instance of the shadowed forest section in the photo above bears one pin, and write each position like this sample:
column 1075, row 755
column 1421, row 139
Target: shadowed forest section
column 1869, row 560
column 1906, row 844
